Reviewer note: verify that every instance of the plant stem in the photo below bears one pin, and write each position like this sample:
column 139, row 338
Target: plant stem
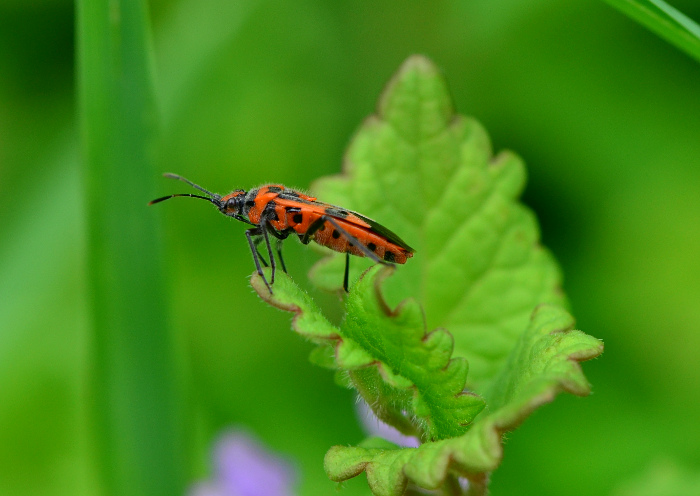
column 664, row 20
column 136, row 373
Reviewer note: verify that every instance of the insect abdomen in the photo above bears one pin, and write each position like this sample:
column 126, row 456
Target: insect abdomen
column 330, row 237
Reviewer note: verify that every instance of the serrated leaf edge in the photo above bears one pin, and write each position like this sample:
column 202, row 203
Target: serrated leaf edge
column 393, row 380
column 480, row 456
column 451, row 363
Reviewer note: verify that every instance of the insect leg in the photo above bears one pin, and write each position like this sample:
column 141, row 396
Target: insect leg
column 347, row 271
column 281, row 236
column 257, row 240
column 265, row 228
column 253, row 249
column 279, row 255
column 315, row 226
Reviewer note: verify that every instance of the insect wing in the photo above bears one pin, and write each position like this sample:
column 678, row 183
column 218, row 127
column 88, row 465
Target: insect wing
column 345, row 216
column 384, row 232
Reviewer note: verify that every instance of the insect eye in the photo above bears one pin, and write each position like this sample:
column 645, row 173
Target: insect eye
column 231, row 204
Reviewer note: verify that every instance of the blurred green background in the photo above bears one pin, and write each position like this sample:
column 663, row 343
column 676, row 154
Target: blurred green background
column 605, row 114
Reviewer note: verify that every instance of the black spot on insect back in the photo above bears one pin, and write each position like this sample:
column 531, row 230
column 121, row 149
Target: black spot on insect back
column 335, row 234
column 297, row 218
column 389, row 256
column 372, row 247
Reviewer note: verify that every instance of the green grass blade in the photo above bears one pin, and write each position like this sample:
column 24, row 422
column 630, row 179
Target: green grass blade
column 136, row 376
column 664, row 20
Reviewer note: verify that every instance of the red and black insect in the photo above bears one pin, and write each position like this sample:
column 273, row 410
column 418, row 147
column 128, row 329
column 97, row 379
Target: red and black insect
column 276, row 211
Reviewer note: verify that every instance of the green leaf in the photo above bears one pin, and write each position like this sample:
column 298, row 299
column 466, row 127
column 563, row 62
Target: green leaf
column 544, row 363
column 664, row 20
column 405, row 373
column 429, row 175
column 480, row 272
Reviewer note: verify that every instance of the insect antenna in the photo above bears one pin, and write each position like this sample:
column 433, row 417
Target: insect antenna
column 215, row 201
column 197, row 186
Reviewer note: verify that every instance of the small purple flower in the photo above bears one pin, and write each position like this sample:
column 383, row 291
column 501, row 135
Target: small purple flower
column 375, row 427
column 243, row 467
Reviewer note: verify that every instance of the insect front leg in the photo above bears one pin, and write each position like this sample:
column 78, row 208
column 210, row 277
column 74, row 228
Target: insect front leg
column 264, row 228
column 256, row 231
column 269, row 214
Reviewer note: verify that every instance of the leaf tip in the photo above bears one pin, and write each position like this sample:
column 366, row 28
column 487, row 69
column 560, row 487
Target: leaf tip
column 259, row 286
column 339, row 466
column 417, row 88
column 418, row 63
